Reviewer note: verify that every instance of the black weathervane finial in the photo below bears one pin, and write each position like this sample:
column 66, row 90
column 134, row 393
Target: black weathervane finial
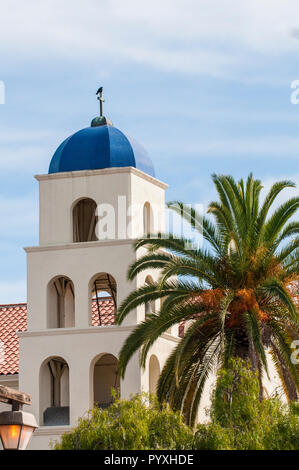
column 100, row 120
column 99, row 94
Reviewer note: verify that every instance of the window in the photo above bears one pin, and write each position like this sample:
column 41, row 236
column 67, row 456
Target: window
column 105, row 378
column 54, row 392
column 147, row 218
column 150, row 305
column 103, row 299
column 84, row 221
column 154, row 373
column 61, row 303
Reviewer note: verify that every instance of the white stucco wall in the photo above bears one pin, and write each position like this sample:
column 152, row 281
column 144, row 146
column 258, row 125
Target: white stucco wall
column 59, row 192
column 80, row 262
column 57, row 255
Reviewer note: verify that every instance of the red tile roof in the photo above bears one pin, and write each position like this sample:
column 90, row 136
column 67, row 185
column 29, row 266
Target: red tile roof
column 106, row 310
column 13, row 318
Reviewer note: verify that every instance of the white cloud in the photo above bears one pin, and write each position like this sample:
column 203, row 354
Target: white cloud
column 195, row 36
column 27, row 151
column 278, row 146
column 12, row 135
column 222, row 114
column 21, row 158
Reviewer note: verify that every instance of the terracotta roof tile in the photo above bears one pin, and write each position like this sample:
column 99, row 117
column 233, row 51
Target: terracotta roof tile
column 13, row 318
column 106, row 307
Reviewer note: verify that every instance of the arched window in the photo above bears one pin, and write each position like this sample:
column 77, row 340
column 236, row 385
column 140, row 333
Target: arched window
column 154, row 373
column 105, row 378
column 61, row 303
column 103, row 299
column 147, row 216
column 84, row 221
column 54, row 392
column 150, row 305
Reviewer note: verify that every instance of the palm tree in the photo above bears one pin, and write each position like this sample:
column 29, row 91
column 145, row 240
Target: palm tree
column 238, row 292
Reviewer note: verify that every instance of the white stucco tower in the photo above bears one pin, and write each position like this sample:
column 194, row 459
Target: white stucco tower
column 100, row 194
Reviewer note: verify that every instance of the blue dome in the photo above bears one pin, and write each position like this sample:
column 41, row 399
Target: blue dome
column 102, row 146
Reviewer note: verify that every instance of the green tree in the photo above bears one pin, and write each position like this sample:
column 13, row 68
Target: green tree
column 136, row 424
column 236, row 290
column 240, row 421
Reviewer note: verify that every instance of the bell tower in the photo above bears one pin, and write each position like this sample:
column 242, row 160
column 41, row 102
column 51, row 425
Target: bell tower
column 99, row 195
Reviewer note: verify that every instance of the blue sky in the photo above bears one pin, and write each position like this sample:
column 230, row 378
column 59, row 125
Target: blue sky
column 204, row 85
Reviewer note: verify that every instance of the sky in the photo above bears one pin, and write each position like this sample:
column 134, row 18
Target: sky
column 204, row 85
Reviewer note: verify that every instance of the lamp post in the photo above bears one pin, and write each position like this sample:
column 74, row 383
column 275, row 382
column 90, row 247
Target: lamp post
column 16, row 426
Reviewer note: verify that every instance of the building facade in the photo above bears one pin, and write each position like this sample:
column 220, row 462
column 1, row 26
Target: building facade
column 99, row 196
column 62, row 347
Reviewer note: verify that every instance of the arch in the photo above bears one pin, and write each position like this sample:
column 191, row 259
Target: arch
column 84, row 213
column 150, row 306
column 154, row 373
column 103, row 299
column 147, row 218
column 60, row 303
column 104, row 378
column 54, row 392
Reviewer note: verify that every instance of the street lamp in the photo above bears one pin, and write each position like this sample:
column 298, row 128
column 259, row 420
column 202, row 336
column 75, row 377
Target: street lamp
column 16, row 426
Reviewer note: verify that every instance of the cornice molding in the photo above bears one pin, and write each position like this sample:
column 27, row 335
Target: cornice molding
column 77, row 246
column 105, row 171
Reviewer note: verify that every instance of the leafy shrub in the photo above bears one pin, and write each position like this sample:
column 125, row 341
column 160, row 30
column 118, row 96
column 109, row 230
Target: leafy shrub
column 239, row 420
column 135, row 424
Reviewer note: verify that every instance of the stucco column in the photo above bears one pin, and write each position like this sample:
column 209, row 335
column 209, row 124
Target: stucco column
column 29, row 379
column 79, row 390
column 82, row 304
column 131, row 384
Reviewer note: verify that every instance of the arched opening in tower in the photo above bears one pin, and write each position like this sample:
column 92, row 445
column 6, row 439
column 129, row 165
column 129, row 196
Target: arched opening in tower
column 103, row 299
column 150, row 306
column 147, row 219
column 54, row 392
column 105, row 379
column 61, row 303
column 84, row 221
column 154, row 374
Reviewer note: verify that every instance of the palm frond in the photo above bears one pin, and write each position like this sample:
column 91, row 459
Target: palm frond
column 269, row 200
column 234, row 295
column 280, row 217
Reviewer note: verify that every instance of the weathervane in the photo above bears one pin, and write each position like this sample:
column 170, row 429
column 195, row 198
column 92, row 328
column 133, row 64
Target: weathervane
column 99, row 94
column 100, row 120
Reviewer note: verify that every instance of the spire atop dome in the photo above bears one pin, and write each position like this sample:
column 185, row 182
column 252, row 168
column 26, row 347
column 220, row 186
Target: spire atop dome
column 100, row 120
column 99, row 95
column 100, row 146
